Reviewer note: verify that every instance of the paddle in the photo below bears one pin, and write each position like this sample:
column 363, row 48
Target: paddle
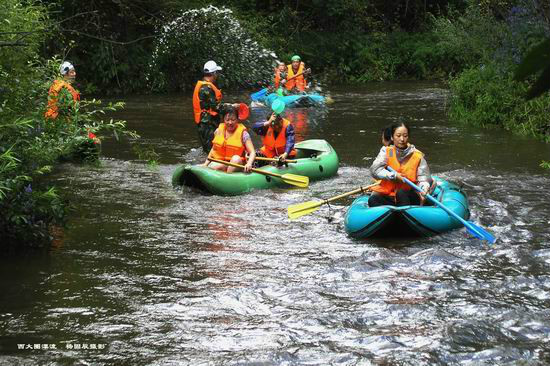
column 301, row 209
column 293, row 179
column 473, row 229
column 260, row 94
column 273, row 159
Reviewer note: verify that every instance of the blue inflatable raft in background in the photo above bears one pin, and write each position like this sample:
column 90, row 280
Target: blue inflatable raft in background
column 363, row 221
column 295, row 101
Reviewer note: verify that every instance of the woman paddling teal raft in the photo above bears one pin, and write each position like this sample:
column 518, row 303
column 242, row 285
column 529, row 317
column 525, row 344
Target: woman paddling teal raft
column 398, row 205
column 408, row 161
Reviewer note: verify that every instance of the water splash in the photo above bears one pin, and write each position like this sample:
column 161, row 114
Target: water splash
column 199, row 35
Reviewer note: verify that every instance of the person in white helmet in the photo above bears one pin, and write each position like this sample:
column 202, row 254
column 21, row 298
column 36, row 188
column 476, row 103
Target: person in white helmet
column 62, row 96
column 207, row 105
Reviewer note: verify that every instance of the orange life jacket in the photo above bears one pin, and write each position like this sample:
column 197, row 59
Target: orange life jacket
column 224, row 149
column 197, row 110
column 53, row 110
column 275, row 146
column 299, row 82
column 409, row 170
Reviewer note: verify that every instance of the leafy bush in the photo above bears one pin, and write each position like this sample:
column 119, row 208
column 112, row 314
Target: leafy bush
column 487, row 97
column 31, row 146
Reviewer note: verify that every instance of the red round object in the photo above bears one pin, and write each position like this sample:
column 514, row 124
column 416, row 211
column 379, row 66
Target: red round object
column 243, row 111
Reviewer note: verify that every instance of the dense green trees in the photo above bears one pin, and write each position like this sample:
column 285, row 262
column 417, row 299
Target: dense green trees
column 353, row 40
column 485, row 93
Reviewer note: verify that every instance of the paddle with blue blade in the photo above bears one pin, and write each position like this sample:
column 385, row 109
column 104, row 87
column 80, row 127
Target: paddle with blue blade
column 473, row 229
column 259, row 94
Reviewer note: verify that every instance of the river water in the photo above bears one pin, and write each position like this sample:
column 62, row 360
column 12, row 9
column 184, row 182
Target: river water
column 145, row 274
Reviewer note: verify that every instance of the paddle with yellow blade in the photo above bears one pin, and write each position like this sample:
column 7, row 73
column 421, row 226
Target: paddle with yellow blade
column 293, row 179
column 301, row 209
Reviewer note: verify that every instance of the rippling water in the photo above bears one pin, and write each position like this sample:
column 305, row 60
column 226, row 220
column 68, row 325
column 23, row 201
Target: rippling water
column 157, row 276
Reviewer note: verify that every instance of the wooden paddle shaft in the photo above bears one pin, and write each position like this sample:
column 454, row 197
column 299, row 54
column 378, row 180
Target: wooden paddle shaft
column 242, row 167
column 273, row 159
column 358, row 190
column 295, row 76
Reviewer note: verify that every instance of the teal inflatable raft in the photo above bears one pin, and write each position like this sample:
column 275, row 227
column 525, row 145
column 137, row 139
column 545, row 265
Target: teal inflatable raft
column 363, row 221
column 316, row 160
column 295, row 101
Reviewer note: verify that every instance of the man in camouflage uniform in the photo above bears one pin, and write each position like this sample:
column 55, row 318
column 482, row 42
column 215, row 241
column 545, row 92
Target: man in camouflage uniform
column 207, row 105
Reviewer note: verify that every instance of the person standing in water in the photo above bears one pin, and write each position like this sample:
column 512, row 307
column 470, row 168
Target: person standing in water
column 62, row 96
column 207, row 105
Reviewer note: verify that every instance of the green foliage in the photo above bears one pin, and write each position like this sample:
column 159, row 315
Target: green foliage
column 29, row 145
column 22, row 32
column 537, row 61
column 147, row 153
column 486, row 97
column 115, row 39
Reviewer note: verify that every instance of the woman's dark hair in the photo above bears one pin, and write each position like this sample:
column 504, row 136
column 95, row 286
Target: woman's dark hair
column 395, row 126
column 386, row 134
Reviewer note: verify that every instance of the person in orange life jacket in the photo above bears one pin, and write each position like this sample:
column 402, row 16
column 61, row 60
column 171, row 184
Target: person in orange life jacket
column 207, row 105
column 279, row 79
column 277, row 134
column 409, row 163
column 231, row 142
column 387, row 141
column 298, row 84
column 62, row 96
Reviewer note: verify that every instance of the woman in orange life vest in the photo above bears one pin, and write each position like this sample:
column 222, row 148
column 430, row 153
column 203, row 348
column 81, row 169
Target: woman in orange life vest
column 231, row 142
column 207, row 105
column 277, row 134
column 408, row 162
column 297, row 67
column 62, row 95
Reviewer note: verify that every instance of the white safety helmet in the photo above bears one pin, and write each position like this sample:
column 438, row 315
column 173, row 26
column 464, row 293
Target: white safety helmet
column 210, row 67
column 65, row 68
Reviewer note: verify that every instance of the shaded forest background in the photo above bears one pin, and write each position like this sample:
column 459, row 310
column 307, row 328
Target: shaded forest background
column 343, row 41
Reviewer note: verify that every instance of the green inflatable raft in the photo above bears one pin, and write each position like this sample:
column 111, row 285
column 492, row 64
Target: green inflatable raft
column 316, row 159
